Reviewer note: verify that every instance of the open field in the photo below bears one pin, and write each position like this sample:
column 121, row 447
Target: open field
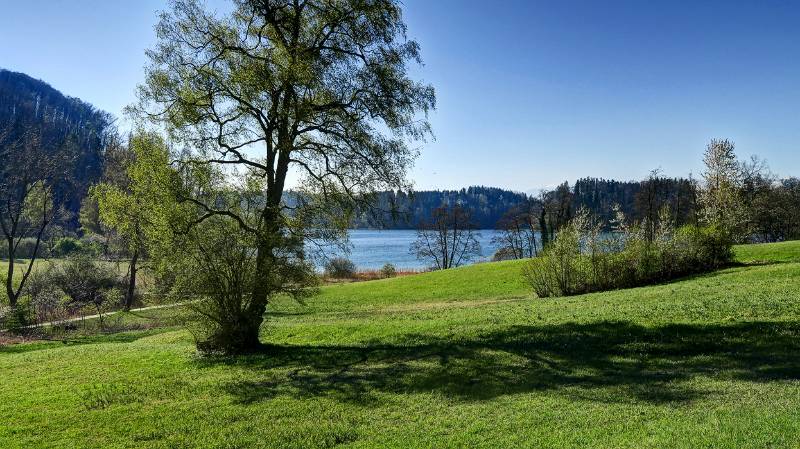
column 461, row 358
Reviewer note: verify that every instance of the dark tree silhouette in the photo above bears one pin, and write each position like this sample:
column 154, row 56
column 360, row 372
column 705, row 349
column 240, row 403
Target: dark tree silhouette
column 448, row 239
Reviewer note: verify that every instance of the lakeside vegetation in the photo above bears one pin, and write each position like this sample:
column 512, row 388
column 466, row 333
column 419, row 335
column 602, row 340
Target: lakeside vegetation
column 451, row 358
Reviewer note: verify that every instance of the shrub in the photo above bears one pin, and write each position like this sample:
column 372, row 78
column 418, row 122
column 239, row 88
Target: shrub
column 340, row 268
column 66, row 246
column 581, row 260
column 388, row 271
column 504, row 254
column 88, row 284
column 17, row 318
column 558, row 271
column 70, row 246
column 45, row 296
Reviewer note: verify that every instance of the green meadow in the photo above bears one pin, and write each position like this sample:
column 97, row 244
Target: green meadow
column 466, row 357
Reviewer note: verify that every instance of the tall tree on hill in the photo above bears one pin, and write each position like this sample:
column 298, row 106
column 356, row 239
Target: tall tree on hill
column 650, row 202
column 65, row 126
column 316, row 88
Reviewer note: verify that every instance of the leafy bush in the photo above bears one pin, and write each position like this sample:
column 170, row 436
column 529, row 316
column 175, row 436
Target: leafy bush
column 388, row 271
column 340, row 268
column 88, row 283
column 66, row 246
column 582, row 260
column 70, row 246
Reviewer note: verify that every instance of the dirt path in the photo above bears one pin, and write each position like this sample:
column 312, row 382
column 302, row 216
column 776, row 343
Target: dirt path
column 89, row 317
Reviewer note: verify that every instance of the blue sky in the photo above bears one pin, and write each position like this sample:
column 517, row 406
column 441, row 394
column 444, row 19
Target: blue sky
column 529, row 93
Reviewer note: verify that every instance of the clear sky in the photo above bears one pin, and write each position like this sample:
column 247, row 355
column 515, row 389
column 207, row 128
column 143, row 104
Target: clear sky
column 529, row 93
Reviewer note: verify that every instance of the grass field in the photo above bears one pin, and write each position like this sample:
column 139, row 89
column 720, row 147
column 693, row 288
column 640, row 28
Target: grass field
column 462, row 358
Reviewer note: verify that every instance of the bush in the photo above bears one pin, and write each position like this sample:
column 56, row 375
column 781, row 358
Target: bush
column 45, row 296
column 388, row 271
column 66, row 246
column 16, row 319
column 504, row 254
column 88, row 284
column 340, row 268
column 70, row 246
column 581, row 260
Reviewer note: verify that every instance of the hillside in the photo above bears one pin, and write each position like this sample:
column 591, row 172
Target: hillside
column 31, row 106
column 465, row 357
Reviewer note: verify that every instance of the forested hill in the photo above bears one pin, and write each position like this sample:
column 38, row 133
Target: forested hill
column 61, row 125
column 638, row 200
column 486, row 205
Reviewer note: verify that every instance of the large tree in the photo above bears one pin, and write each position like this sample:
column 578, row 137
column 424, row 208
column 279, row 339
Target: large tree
column 318, row 89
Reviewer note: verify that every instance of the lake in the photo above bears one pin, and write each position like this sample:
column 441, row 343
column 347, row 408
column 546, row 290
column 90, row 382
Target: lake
column 371, row 249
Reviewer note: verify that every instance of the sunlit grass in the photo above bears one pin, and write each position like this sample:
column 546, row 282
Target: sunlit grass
column 463, row 358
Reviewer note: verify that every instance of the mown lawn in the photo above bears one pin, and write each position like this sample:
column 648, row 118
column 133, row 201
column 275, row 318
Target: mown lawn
column 464, row 358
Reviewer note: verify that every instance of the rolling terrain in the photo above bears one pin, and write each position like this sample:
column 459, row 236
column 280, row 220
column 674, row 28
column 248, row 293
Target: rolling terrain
column 460, row 358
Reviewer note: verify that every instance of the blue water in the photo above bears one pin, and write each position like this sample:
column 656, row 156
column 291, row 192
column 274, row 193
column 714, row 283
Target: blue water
column 371, row 249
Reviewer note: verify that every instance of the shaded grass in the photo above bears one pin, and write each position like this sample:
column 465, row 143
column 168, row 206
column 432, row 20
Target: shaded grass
column 464, row 358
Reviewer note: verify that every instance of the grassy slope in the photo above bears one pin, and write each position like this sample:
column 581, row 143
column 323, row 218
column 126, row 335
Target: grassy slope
column 459, row 358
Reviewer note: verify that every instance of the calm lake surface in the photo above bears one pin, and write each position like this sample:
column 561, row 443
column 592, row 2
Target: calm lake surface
column 371, row 249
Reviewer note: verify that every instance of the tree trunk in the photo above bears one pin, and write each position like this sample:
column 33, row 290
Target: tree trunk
column 12, row 297
column 247, row 338
column 130, row 294
column 543, row 226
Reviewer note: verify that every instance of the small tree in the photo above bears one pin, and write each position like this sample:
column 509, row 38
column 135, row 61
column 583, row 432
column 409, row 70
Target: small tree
column 27, row 176
column 125, row 201
column 448, row 240
column 720, row 195
column 519, row 228
column 388, row 271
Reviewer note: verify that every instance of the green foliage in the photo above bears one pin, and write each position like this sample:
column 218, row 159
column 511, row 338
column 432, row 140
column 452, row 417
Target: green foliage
column 138, row 206
column 272, row 89
column 66, row 246
column 581, row 260
column 340, row 268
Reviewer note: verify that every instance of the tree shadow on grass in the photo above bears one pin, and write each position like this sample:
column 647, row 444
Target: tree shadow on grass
column 39, row 343
column 604, row 361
